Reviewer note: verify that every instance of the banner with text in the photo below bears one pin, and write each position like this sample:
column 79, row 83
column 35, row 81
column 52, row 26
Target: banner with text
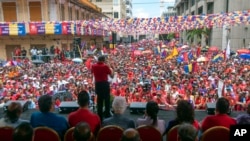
column 13, row 29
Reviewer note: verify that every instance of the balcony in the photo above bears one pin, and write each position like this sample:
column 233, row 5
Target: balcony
column 178, row 2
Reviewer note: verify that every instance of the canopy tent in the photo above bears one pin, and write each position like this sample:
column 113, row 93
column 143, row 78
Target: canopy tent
column 202, row 59
column 244, row 56
column 213, row 49
column 243, row 51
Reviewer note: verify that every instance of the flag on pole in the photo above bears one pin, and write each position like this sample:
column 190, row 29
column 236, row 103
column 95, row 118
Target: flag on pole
column 228, row 50
column 173, row 53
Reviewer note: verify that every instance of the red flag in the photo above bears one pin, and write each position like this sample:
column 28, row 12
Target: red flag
column 194, row 67
column 198, row 51
column 88, row 63
column 185, row 56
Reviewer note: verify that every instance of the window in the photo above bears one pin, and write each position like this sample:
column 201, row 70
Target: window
column 200, row 10
column 192, row 2
column 62, row 12
column 9, row 11
column 83, row 16
column 70, row 13
column 77, row 15
column 116, row 15
column 98, row 0
column 35, row 11
column 127, row 11
column 115, row 2
column 210, row 8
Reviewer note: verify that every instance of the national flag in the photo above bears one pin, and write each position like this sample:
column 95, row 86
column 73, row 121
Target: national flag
column 185, row 56
column 188, row 68
column 190, row 55
column 179, row 59
column 218, row 57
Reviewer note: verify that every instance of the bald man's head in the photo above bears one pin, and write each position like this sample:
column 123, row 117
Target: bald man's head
column 130, row 135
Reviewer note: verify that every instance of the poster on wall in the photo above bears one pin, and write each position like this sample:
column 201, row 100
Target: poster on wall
column 53, row 28
column 68, row 28
column 12, row 29
column 41, row 28
column 37, row 28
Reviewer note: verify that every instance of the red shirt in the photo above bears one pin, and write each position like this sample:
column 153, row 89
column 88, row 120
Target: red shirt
column 100, row 71
column 84, row 115
column 217, row 120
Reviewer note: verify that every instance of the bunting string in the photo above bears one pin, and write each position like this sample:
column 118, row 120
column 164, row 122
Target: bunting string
column 132, row 26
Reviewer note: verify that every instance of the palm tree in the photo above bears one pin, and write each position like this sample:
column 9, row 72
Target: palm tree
column 191, row 34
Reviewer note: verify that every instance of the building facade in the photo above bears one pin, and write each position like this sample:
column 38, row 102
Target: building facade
column 112, row 8
column 116, row 9
column 129, row 9
column 44, row 10
column 239, row 36
column 170, row 11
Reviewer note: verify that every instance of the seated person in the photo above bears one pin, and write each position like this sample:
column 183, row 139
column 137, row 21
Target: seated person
column 185, row 113
column 23, row 132
column 119, row 106
column 130, row 135
column 220, row 118
column 46, row 117
column 82, row 132
column 12, row 117
column 244, row 118
column 187, row 132
column 151, row 117
column 83, row 114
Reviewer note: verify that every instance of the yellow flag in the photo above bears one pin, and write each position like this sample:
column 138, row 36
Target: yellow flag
column 173, row 53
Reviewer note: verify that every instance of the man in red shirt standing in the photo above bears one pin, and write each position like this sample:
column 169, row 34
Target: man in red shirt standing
column 83, row 114
column 101, row 72
column 221, row 118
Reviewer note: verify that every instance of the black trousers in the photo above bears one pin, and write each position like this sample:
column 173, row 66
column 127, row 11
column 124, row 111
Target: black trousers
column 102, row 90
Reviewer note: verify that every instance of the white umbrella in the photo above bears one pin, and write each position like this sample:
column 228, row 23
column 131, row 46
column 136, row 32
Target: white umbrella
column 202, row 59
column 184, row 46
column 77, row 60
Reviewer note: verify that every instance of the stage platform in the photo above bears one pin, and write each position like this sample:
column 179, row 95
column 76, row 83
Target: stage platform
column 166, row 115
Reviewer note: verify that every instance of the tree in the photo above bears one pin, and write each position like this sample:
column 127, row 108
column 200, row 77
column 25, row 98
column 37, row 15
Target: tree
column 191, row 34
column 170, row 36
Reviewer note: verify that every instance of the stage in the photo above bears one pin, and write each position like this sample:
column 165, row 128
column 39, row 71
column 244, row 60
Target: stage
column 166, row 115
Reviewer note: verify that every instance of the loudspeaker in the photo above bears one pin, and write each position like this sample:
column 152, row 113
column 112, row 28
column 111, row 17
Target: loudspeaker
column 210, row 108
column 24, row 104
column 68, row 106
column 137, row 107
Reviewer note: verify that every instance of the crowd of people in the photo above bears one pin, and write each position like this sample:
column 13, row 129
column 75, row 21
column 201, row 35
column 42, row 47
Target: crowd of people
column 138, row 77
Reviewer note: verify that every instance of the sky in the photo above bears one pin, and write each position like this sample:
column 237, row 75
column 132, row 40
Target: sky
column 149, row 8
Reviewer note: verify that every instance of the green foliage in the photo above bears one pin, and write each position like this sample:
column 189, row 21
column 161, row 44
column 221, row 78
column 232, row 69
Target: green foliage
column 170, row 36
column 191, row 34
